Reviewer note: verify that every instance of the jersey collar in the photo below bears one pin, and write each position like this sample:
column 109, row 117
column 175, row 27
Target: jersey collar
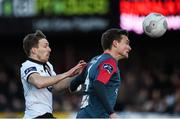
column 105, row 53
column 36, row 61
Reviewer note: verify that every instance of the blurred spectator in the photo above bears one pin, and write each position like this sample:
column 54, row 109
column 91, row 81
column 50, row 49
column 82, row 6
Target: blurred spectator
column 11, row 98
column 3, row 90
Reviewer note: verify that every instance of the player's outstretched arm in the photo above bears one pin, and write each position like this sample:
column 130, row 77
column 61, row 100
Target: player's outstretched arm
column 45, row 81
column 63, row 84
column 77, row 81
column 77, row 69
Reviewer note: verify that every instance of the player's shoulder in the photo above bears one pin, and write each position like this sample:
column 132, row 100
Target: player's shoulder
column 108, row 62
column 28, row 64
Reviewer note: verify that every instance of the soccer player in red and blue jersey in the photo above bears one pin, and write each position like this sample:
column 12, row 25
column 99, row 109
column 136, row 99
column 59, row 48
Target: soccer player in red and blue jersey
column 101, row 77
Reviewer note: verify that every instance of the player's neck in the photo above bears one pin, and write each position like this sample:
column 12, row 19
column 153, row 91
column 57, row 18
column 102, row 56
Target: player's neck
column 113, row 54
column 36, row 58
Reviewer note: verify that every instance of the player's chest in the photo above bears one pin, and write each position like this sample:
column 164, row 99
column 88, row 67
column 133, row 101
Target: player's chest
column 44, row 72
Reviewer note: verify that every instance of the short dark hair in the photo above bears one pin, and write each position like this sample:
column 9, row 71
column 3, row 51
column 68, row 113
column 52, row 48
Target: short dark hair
column 32, row 40
column 110, row 35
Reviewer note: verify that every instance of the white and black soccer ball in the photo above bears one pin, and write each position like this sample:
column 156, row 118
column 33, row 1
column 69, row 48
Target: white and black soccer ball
column 155, row 25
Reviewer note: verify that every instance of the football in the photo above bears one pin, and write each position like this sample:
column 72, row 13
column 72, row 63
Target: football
column 155, row 25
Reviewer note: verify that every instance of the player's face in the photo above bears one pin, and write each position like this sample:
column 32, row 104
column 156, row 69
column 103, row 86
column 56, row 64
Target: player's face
column 123, row 47
column 43, row 50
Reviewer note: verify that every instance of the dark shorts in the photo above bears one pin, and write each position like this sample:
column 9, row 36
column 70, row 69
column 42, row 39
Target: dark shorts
column 46, row 115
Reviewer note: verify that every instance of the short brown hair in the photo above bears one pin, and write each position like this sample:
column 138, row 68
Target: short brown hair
column 32, row 40
column 110, row 35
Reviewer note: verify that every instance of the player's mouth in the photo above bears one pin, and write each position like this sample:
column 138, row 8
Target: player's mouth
column 48, row 55
column 127, row 52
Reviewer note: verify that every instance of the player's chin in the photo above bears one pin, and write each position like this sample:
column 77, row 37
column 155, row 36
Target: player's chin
column 126, row 56
column 46, row 58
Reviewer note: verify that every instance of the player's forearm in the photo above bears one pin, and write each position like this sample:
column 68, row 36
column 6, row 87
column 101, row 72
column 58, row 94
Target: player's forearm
column 63, row 84
column 49, row 81
column 102, row 96
column 45, row 81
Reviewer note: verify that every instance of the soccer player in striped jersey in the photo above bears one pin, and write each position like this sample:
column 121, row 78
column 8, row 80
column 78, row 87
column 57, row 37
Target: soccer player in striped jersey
column 38, row 76
column 101, row 77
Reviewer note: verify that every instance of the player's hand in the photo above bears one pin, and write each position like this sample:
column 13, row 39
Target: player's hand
column 77, row 69
column 114, row 116
column 83, row 63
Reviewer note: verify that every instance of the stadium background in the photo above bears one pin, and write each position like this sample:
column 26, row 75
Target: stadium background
column 151, row 76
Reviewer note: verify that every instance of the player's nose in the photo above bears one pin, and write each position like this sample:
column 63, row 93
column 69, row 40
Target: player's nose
column 49, row 49
column 129, row 48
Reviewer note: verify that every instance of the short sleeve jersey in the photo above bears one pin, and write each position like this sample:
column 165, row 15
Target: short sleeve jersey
column 37, row 101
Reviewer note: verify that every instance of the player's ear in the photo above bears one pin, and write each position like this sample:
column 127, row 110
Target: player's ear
column 115, row 42
column 33, row 50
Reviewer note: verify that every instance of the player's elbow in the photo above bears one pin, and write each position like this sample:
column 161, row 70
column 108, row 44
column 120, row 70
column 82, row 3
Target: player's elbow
column 39, row 86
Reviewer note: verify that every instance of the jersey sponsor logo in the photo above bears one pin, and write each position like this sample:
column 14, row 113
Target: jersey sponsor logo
column 108, row 68
column 30, row 69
